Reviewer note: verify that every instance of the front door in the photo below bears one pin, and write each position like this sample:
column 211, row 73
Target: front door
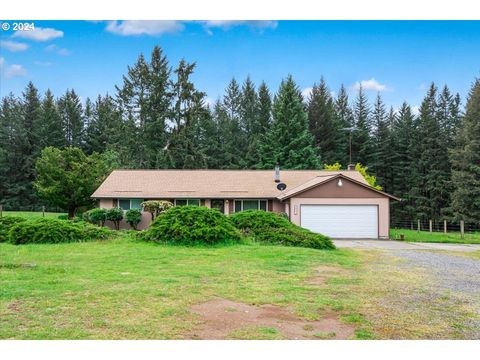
column 219, row 205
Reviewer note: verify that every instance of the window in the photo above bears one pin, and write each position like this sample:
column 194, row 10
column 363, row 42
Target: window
column 241, row 205
column 183, row 202
column 127, row 204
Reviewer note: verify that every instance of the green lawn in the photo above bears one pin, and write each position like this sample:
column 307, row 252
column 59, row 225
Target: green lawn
column 435, row 237
column 124, row 288
column 31, row 214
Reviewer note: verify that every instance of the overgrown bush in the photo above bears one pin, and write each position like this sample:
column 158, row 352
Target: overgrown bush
column 115, row 215
column 270, row 228
column 54, row 231
column 133, row 217
column 96, row 216
column 156, row 207
column 6, row 223
column 62, row 217
column 192, row 225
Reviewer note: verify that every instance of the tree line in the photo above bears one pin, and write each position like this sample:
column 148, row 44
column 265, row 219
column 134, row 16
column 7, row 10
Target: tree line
column 158, row 118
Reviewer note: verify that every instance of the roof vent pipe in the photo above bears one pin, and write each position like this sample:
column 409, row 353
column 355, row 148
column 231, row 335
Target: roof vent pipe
column 277, row 173
column 351, row 167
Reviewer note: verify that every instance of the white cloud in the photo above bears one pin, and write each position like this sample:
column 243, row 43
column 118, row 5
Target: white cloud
column 10, row 71
column 39, row 34
column 59, row 51
column 415, row 110
column 13, row 46
column 42, row 63
column 306, row 92
column 144, row 27
column 210, row 102
column 255, row 24
column 370, row 84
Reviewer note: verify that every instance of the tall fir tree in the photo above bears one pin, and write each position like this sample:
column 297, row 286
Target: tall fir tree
column 465, row 158
column 51, row 129
column 145, row 101
column 361, row 145
column 71, row 114
column 381, row 157
column 404, row 165
column 186, row 147
column 103, row 131
column 431, row 189
column 288, row 141
column 345, row 118
column 324, row 124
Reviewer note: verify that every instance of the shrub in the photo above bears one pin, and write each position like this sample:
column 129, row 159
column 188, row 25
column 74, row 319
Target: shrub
column 62, row 217
column 133, row 218
column 271, row 228
column 96, row 216
column 192, row 225
column 53, row 231
column 115, row 215
column 156, row 207
column 6, row 223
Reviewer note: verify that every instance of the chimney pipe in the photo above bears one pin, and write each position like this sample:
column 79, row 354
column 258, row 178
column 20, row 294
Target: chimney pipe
column 277, row 173
column 351, row 167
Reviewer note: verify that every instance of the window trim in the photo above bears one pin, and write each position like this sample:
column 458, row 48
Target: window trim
column 187, row 200
column 258, row 204
column 130, row 203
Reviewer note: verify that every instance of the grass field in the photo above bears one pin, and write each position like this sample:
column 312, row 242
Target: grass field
column 127, row 289
column 31, row 214
column 436, row 237
column 123, row 288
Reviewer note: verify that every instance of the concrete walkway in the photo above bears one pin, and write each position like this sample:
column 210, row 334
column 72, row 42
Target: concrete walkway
column 403, row 245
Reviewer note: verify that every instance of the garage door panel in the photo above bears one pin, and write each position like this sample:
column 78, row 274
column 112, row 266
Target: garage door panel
column 341, row 221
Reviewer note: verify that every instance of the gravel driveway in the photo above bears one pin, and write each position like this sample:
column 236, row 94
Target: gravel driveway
column 452, row 273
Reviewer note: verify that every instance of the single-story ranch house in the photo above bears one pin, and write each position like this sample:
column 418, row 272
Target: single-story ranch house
column 340, row 204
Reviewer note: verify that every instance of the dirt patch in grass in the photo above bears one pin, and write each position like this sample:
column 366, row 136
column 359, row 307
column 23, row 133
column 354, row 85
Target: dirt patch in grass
column 225, row 319
column 323, row 273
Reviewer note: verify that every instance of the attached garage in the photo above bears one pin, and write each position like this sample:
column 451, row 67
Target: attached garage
column 341, row 221
column 340, row 207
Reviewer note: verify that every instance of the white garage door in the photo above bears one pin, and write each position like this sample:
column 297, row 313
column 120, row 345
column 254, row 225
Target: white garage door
column 341, row 221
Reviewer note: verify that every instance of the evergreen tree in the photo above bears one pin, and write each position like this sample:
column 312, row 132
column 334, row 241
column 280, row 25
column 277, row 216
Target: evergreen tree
column 381, row 157
column 104, row 128
column 71, row 114
column 145, row 100
column 404, row 164
column 264, row 108
column 324, row 124
column 465, row 159
column 345, row 119
column 288, row 141
column 50, row 131
column 431, row 189
column 13, row 142
column 186, row 148
column 361, row 147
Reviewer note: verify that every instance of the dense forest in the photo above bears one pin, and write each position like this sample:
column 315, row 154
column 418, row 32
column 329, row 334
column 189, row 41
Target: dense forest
column 158, row 118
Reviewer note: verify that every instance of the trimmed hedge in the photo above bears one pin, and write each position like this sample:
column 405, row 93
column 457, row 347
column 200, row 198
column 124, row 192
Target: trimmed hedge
column 6, row 223
column 133, row 217
column 192, row 225
column 270, row 228
column 54, row 231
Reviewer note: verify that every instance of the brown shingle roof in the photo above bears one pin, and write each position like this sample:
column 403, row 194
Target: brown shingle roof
column 148, row 184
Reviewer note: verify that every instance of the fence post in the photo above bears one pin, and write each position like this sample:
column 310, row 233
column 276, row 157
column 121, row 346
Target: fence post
column 445, row 226
column 462, row 228
column 43, row 211
column 1, row 210
column 418, row 228
column 430, row 225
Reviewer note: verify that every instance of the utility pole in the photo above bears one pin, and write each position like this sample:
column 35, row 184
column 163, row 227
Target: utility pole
column 350, row 130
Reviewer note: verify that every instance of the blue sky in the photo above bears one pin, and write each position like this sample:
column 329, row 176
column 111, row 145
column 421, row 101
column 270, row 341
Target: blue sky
column 399, row 59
